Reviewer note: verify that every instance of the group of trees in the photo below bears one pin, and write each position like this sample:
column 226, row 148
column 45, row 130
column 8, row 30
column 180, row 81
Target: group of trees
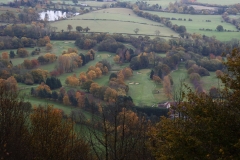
column 233, row 9
column 27, row 15
column 33, row 31
column 109, row 93
column 208, row 126
column 116, row 81
column 44, row 59
column 79, row 29
column 36, row 134
column 233, row 21
column 101, row 68
column 53, row 83
column 110, row 45
column 179, row 7
column 140, row 61
column 123, row 55
column 33, row 76
column 85, row 43
column 178, row 29
column 15, row 43
column 68, row 62
column 199, row 44
column 47, row 58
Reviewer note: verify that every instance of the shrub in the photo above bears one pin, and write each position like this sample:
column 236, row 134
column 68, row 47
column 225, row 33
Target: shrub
column 194, row 77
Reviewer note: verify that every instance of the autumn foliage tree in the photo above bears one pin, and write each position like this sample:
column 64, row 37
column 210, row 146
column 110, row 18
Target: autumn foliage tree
column 53, row 137
column 219, row 73
column 72, row 81
column 27, row 63
column 124, row 132
column 110, row 95
column 116, row 59
column 68, row 62
column 49, row 46
column 127, row 72
column 157, row 79
column 5, row 56
column 167, row 88
column 14, row 139
column 66, row 100
column 43, row 91
column 91, row 75
column 22, row 52
column 82, row 77
column 202, row 126
column 80, row 99
column 39, row 75
column 41, row 133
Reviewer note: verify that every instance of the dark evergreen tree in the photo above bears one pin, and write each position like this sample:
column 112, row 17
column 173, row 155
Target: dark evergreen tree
column 49, row 83
column 86, row 103
column 83, row 59
column 144, row 61
column 160, row 74
column 87, row 58
column 112, row 75
column 11, row 54
column 53, row 83
column 73, row 100
column 59, row 84
column 32, row 91
column 60, row 97
column 54, row 95
column 151, row 74
column 41, row 94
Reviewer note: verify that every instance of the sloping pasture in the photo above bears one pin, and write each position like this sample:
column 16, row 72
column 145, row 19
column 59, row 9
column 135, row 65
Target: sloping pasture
column 115, row 20
column 199, row 22
column 221, row 2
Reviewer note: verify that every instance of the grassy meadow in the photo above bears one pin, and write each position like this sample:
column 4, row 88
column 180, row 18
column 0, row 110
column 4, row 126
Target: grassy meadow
column 89, row 3
column 117, row 20
column 221, row 2
column 199, row 21
column 163, row 3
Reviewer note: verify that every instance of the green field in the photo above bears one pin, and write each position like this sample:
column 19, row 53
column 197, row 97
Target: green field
column 181, row 75
column 211, row 81
column 116, row 22
column 95, row 3
column 89, row 3
column 234, row 16
column 199, row 21
column 142, row 93
column 163, row 3
column 221, row 2
column 199, row 7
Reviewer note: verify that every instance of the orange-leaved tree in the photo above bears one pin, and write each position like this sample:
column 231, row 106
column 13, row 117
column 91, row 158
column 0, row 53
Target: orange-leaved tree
column 54, row 138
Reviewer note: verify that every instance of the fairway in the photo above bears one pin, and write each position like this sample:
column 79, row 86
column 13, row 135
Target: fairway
column 180, row 77
column 115, row 20
column 142, row 93
column 199, row 21
column 211, row 81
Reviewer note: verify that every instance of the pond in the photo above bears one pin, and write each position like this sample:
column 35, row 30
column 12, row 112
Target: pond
column 55, row 15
